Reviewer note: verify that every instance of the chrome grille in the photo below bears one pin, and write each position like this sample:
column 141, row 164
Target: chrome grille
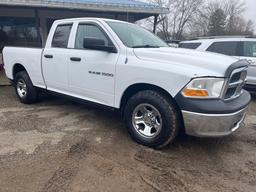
column 234, row 86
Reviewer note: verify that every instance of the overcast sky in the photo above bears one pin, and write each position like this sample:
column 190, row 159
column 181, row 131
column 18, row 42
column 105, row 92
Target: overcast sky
column 251, row 10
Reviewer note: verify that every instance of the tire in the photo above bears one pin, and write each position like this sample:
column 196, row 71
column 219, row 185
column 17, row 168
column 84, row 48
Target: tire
column 24, row 88
column 165, row 123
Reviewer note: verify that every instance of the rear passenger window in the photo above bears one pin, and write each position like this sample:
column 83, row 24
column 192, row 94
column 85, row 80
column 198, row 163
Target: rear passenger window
column 250, row 49
column 226, row 48
column 61, row 36
column 189, row 45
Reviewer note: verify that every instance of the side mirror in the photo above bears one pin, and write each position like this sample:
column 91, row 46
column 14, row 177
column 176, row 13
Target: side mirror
column 98, row 44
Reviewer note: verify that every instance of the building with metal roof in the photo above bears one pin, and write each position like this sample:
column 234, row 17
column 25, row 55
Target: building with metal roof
column 27, row 22
column 130, row 6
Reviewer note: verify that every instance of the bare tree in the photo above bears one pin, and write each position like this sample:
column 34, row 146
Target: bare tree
column 182, row 13
column 234, row 10
column 191, row 18
column 235, row 22
column 200, row 26
column 163, row 23
column 249, row 30
column 185, row 12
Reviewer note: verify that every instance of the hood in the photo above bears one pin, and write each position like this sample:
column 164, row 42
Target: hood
column 198, row 62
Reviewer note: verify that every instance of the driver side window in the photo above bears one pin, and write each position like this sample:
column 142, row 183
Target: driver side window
column 89, row 31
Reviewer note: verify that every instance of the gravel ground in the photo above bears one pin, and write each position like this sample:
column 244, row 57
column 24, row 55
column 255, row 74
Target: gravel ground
column 58, row 145
column 3, row 79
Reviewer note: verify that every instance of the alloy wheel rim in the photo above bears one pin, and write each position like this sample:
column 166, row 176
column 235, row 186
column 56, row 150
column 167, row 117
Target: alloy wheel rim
column 147, row 120
column 21, row 88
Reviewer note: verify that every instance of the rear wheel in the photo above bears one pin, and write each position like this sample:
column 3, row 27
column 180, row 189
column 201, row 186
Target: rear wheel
column 24, row 88
column 151, row 119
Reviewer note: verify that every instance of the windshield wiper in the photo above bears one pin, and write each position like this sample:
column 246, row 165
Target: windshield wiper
column 146, row 46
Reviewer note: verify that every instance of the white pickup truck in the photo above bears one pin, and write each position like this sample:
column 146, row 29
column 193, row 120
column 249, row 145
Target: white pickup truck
column 159, row 90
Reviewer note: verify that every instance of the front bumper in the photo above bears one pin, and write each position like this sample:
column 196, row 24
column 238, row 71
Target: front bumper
column 213, row 118
column 212, row 125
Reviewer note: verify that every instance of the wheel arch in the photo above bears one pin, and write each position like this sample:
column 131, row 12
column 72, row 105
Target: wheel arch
column 135, row 88
column 17, row 67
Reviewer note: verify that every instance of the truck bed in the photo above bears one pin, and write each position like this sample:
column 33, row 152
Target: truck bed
column 30, row 58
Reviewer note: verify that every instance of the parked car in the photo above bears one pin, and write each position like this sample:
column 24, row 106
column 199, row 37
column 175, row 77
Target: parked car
column 240, row 47
column 159, row 90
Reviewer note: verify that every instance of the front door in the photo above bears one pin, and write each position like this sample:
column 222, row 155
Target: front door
column 92, row 72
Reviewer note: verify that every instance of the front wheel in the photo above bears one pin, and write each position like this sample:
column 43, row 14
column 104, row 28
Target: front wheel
column 151, row 119
column 24, row 88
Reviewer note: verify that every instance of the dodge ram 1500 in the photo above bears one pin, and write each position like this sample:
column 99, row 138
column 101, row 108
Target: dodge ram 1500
column 159, row 90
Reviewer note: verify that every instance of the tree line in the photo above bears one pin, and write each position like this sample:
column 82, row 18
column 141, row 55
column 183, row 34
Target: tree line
column 197, row 18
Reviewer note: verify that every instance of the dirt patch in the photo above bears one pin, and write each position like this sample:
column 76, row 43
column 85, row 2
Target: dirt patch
column 13, row 141
column 68, row 169
column 3, row 79
column 57, row 145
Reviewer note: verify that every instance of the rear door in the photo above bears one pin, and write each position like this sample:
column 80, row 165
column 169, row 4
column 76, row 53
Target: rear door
column 55, row 59
column 91, row 72
column 249, row 53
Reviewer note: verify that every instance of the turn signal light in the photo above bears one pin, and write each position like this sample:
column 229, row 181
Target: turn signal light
column 195, row 93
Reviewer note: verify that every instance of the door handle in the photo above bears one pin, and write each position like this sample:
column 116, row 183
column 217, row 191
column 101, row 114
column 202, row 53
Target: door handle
column 75, row 59
column 48, row 56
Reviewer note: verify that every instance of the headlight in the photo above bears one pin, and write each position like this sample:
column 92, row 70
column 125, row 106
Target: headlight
column 204, row 88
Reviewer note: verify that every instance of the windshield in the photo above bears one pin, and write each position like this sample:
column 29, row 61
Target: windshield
column 136, row 37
